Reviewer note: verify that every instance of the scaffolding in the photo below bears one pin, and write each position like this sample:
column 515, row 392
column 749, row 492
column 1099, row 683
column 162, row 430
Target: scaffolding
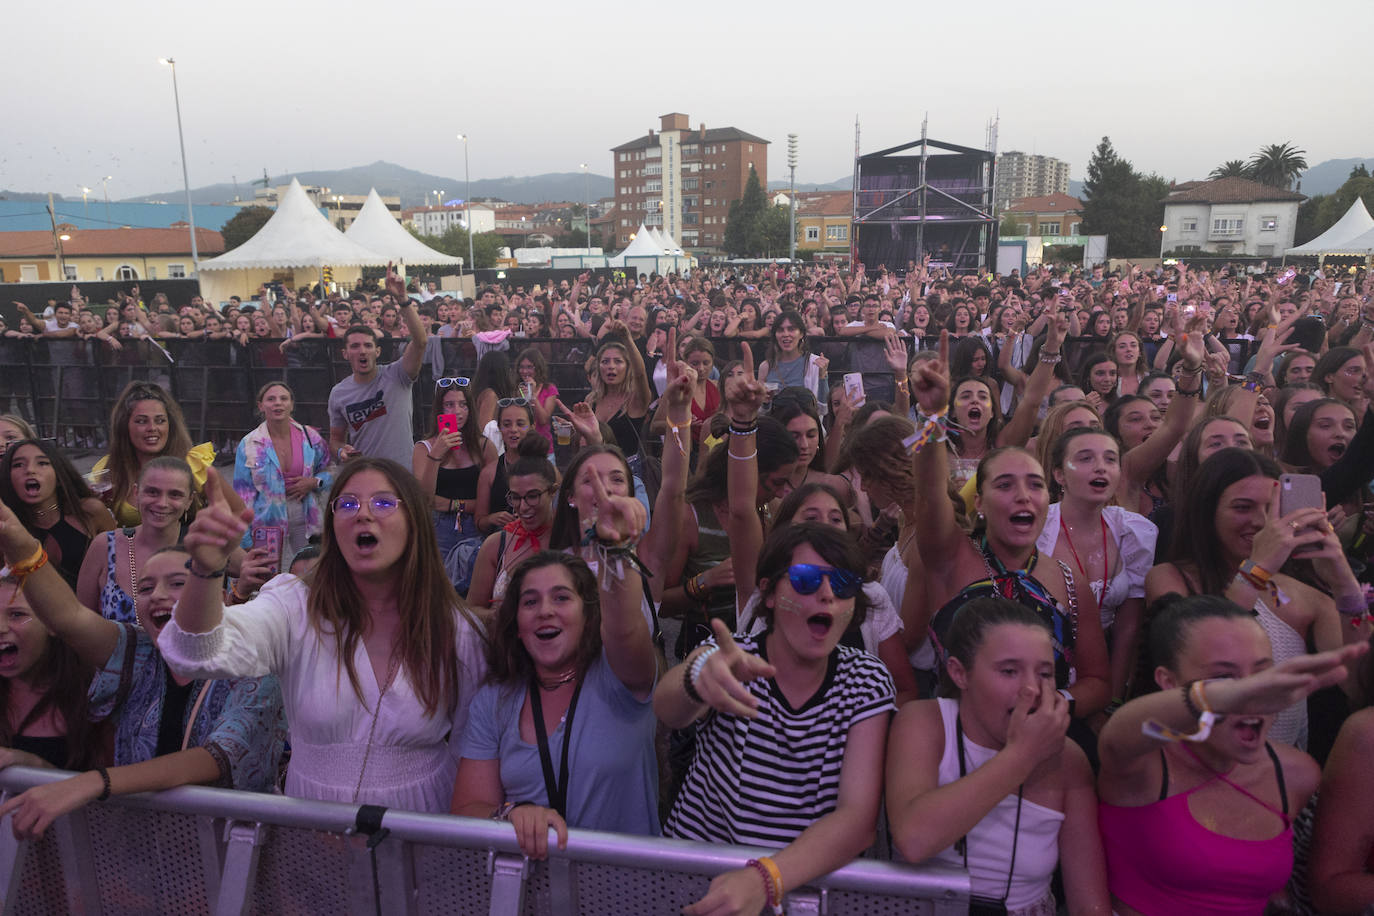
column 937, row 200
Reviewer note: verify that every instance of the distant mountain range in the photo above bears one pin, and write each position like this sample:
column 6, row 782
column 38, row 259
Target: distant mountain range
column 412, row 186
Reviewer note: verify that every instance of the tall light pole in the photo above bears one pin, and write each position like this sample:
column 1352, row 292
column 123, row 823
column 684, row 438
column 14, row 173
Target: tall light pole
column 85, row 204
column 185, row 177
column 587, row 204
column 105, row 186
column 467, row 203
column 792, row 197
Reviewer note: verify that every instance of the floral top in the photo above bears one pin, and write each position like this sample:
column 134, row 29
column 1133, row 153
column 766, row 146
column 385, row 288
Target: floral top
column 239, row 720
column 260, row 480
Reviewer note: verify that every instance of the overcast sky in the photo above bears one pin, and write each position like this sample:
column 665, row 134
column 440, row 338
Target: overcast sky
column 542, row 87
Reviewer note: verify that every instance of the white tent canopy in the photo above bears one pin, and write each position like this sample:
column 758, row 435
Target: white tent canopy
column 643, row 245
column 1355, row 223
column 649, row 251
column 1360, row 244
column 297, row 235
column 376, row 229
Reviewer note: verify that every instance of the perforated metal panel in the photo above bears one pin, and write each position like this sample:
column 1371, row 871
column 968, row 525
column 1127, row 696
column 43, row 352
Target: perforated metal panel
column 605, row 889
column 452, row 881
column 147, row 861
column 842, row 903
column 42, row 886
column 302, row 872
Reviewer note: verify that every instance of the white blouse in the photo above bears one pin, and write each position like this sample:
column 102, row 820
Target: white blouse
column 1134, row 536
column 413, row 758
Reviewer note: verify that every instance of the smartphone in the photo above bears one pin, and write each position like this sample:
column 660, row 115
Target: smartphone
column 1172, row 297
column 269, row 538
column 1300, row 491
column 448, row 422
column 854, row 388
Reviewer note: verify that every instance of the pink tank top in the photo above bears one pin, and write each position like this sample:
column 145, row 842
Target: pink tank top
column 1162, row 862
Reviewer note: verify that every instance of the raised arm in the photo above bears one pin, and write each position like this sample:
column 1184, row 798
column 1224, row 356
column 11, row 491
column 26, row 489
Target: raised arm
column 937, row 536
column 413, row 356
column 1140, row 462
column 743, row 399
column 624, row 630
column 1018, row 429
column 212, row 538
column 91, row 636
column 665, row 528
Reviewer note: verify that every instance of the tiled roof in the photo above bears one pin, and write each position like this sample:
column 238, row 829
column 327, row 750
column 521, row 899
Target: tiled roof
column 712, row 135
column 111, row 242
column 1056, row 202
column 1229, row 191
column 825, row 203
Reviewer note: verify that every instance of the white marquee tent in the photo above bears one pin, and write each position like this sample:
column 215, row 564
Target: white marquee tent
column 1337, row 240
column 377, row 230
column 298, row 240
column 648, row 252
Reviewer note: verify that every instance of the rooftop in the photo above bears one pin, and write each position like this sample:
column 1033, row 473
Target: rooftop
column 1228, row 191
column 110, row 242
column 701, row 135
column 1056, row 202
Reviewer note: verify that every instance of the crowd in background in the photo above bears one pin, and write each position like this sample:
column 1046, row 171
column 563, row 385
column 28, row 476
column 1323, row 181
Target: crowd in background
column 1068, row 584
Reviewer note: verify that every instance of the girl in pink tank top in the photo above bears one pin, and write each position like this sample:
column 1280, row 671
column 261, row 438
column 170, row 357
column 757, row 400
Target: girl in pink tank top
column 1195, row 802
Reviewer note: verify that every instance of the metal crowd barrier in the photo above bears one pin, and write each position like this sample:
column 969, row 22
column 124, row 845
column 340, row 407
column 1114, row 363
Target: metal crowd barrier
column 207, row 851
column 66, row 388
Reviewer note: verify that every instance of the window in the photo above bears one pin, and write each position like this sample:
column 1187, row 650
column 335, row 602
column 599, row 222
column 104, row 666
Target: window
column 655, row 185
column 152, row 273
column 751, row 147
column 813, row 233
column 689, row 203
column 836, row 233
column 690, row 219
column 690, row 149
column 100, row 273
column 1269, row 223
column 654, row 152
column 176, row 271
column 1049, row 228
column 1188, row 225
column 69, row 272
column 708, row 185
column 125, row 272
column 690, row 184
column 1228, row 225
column 1073, row 228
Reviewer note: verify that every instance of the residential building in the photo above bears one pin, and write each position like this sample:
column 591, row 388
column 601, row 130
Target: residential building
column 1230, row 216
column 682, row 181
column 84, row 255
column 438, row 220
column 1051, row 214
column 824, row 221
column 1021, row 174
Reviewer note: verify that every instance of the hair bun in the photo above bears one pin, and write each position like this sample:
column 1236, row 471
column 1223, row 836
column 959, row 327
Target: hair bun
column 533, row 445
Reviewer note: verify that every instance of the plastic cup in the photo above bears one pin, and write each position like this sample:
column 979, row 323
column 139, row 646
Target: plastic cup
column 562, row 431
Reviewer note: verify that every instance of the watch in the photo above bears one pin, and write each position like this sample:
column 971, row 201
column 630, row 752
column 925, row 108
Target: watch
column 1071, row 701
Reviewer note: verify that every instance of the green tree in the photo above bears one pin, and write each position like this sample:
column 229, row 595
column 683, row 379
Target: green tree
column 1123, row 205
column 243, row 225
column 1278, row 165
column 1359, row 171
column 772, row 231
column 1011, row 225
column 485, row 245
column 1231, row 168
column 743, row 233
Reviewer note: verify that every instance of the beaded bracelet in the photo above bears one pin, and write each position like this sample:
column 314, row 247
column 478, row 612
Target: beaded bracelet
column 933, row 424
column 105, row 781
column 693, row 671
column 746, row 431
column 772, row 882
column 1051, row 359
column 749, row 457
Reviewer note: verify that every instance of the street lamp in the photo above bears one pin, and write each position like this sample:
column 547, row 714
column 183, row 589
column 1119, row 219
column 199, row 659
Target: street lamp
column 467, row 202
column 792, row 197
column 185, row 178
column 105, row 186
column 1162, row 229
column 85, row 210
column 587, row 204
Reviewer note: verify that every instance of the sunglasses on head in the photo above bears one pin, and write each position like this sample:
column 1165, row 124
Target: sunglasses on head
column 453, row 381
column 806, row 580
column 513, row 402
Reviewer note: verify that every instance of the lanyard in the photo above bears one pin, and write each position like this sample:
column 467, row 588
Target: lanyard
column 556, row 790
column 962, row 843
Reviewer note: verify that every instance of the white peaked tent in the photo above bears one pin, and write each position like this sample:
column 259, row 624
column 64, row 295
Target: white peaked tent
column 298, row 239
column 1336, row 240
column 648, row 253
column 376, row 229
column 1361, row 244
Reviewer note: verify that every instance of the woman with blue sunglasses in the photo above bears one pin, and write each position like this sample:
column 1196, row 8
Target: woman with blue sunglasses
column 791, row 726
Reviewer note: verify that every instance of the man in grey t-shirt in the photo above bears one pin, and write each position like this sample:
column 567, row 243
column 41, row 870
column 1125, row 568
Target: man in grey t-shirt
column 370, row 412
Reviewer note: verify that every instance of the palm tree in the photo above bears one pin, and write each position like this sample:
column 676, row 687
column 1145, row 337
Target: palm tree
column 1277, row 164
column 1231, row 168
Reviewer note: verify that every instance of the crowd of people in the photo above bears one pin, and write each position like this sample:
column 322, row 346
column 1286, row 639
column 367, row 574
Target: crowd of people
column 1069, row 585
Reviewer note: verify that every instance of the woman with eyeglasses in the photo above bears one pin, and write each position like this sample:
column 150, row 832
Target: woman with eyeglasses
column 147, row 423
column 515, row 420
column 449, row 462
column 378, row 657
column 531, row 484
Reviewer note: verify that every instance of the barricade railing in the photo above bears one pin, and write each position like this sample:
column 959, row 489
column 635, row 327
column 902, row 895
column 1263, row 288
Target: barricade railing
column 67, row 388
column 198, row 850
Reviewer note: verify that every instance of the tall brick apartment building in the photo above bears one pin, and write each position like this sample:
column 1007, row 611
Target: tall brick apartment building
column 682, row 181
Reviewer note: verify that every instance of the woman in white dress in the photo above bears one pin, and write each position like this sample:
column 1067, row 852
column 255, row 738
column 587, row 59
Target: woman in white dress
column 378, row 657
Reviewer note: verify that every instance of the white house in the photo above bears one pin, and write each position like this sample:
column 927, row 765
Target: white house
column 1230, row 216
column 438, row 220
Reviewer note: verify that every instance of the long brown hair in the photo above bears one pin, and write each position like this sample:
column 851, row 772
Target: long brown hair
column 64, row 680
column 508, row 662
column 424, row 596
column 123, row 459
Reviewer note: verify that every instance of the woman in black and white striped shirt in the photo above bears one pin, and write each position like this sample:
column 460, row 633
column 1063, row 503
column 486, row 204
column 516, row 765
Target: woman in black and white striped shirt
column 791, row 726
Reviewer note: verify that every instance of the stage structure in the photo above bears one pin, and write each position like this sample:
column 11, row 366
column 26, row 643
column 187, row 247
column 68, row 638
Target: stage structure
column 936, row 199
